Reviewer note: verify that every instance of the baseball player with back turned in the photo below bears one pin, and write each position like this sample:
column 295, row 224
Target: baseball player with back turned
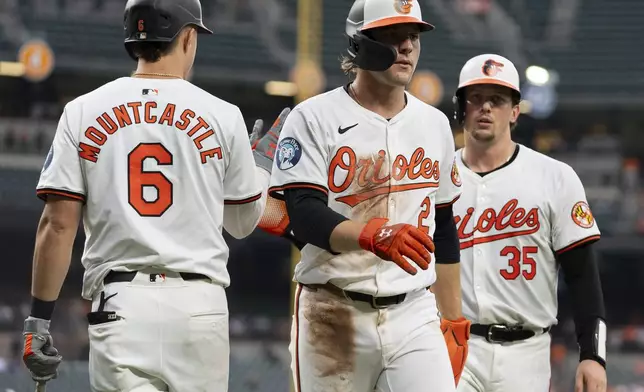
column 366, row 171
column 521, row 216
column 156, row 167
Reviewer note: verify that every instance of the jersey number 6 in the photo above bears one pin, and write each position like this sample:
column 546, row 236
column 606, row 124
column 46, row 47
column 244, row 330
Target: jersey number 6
column 517, row 259
column 139, row 179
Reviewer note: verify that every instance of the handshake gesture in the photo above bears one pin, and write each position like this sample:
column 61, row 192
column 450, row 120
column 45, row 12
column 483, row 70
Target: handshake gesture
column 396, row 242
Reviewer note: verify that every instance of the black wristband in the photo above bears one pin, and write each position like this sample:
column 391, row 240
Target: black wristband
column 42, row 309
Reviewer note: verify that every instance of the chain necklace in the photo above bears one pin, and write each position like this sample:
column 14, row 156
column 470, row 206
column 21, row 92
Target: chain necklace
column 355, row 96
column 163, row 75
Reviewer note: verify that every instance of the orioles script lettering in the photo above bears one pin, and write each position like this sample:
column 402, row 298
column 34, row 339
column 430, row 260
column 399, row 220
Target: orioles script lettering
column 345, row 168
column 510, row 221
column 122, row 116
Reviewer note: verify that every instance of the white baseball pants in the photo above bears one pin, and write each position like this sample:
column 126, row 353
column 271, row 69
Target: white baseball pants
column 509, row 367
column 172, row 336
column 342, row 345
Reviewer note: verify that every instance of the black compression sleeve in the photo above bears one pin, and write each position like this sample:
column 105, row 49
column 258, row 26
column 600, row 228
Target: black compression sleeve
column 446, row 237
column 312, row 221
column 581, row 274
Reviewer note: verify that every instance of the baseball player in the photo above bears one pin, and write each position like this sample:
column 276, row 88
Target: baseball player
column 521, row 216
column 366, row 172
column 156, row 167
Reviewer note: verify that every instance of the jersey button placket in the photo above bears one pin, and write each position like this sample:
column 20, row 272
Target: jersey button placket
column 391, row 203
column 477, row 254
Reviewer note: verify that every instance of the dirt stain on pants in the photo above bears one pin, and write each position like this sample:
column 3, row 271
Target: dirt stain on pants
column 331, row 338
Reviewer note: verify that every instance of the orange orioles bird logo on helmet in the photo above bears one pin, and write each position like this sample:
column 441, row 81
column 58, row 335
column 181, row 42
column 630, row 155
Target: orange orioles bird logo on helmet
column 582, row 215
column 403, row 6
column 491, row 67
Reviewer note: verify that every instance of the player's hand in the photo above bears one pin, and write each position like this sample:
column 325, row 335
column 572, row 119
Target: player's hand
column 396, row 242
column 456, row 334
column 591, row 377
column 265, row 143
column 39, row 354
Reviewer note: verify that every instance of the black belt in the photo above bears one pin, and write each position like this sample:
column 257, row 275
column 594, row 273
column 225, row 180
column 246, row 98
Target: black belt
column 375, row 302
column 122, row 276
column 497, row 333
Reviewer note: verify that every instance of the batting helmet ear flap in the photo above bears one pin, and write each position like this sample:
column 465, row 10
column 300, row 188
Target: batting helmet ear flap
column 371, row 55
column 459, row 106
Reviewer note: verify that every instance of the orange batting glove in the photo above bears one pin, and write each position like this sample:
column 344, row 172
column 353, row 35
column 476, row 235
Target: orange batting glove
column 396, row 242
column 456, row 334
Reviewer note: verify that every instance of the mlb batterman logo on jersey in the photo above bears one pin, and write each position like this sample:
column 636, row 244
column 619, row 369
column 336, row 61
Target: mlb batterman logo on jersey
column 582, row 215
column 289, row 152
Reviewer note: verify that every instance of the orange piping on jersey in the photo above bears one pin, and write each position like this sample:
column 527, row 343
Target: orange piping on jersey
column 355, row 199
column 42, row 193
column 449, row 203
column 243, row 201
column 273, row 190
column 580, row 242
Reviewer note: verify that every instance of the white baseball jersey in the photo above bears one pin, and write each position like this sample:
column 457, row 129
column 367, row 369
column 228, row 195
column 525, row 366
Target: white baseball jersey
column 511, row 224
column 370, row 167
column 154, row 162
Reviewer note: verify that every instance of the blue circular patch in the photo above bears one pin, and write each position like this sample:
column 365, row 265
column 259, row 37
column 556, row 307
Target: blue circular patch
column 289, row 152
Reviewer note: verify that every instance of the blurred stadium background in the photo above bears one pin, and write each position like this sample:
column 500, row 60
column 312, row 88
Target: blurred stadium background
column 584, row 97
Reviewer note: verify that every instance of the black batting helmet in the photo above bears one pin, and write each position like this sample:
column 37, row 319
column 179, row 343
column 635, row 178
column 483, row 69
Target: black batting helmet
column 365, row 15
column 160, row 20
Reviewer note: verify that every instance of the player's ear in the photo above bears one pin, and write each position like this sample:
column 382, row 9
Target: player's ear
column 188, row 38
column 516, row 110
